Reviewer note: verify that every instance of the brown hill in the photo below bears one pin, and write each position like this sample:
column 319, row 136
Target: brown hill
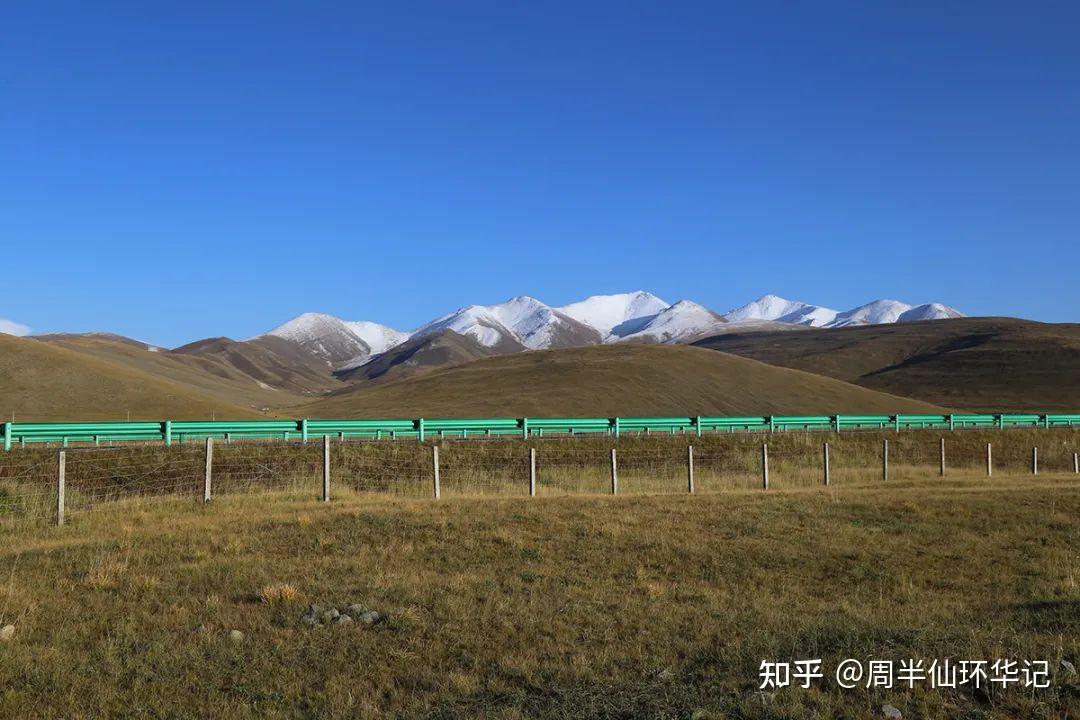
column 982, row 364
column 267, row 372
column 420, row 354
column 629, row 380
column 42, row 381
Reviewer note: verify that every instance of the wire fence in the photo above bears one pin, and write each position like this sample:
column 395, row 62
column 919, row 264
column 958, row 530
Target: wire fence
column 56, row 484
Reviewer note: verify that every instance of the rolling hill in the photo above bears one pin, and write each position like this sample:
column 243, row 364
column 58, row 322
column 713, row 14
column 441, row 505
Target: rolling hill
column 979, row 364
column 267, row 372
column 43, row 381
column 605, row 381
column 418, row 355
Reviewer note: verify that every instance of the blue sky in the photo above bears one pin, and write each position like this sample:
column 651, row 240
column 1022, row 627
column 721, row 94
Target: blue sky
column 177, row 170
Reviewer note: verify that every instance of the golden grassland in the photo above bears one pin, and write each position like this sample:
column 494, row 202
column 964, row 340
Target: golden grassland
column 564, row 606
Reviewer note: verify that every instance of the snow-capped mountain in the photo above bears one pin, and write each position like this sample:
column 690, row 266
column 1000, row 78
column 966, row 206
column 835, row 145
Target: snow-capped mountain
column 338, row 341
column 607, row 312
column 877, row 312
column 930, row 311
column 10, row 327
column 521, row 320
column 773, row 308
column 525, row 323
column 681, row 321
column 776, row 309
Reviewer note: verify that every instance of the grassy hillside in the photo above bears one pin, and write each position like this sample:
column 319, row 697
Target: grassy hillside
column 985, row 364
column 564, row 607
column 609, row 380
column 420, row 355
column 269, row 372
column 41, row 381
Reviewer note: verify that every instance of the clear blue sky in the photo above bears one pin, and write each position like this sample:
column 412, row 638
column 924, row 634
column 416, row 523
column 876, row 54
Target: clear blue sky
column 175, row 170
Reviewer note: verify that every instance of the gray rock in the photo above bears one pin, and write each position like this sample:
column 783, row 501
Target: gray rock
column 7, row 633
column 370, row 617
column 236, row 636
column 891, row 712
column 342, row 620
column 315, row 610
column 1068, row 666
column 329, row 616
column 355, row 609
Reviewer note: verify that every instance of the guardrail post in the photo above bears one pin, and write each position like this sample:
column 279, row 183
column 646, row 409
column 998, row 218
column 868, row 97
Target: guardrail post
column 836, row 423
column 989, row 460
column 885, row 460
column 764, row 466
column 61, row 481
column 7, row 435
column 1034, row 461
column 942, row 471
column 1001, row 422
column 420, row 429
column 697, row 423
column 532, row 472
column 166, row 431
column 326, row 468
column 896, row 423
column 435, row 471
column 772, row 424
column 524, row 428
column 690, row 469
column 615, row 421
column 952, row 423
column 303, row 431
column 825, row 461
column 614, row 474
column 209, row 469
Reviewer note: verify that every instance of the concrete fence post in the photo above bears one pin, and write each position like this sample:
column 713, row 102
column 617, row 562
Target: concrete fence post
column 825, row 461
column 532, row 472
column 435, row 471
column 326, row 468
column 885, row 460
column 614, row 473
column 61, row 481
column 942, row 469
column 764, row 466
column 989, row 460
column 1076, row 463
column 208, row 472
column 1034, row 461
column 690, row 469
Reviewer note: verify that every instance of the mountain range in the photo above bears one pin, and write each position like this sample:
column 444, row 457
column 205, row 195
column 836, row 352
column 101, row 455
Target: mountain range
column 525, row 323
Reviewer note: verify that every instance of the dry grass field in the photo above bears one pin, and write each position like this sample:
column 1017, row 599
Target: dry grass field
column 561, row 606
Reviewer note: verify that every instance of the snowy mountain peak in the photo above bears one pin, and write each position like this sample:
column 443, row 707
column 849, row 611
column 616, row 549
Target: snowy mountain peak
column 683, row 320
column 520, row 321
column 777, row 309
column 872, row 313
column 338, row 341
column 606, row 312
column 930, row 311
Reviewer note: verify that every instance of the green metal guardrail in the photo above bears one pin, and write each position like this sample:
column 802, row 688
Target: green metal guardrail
column 177, row 431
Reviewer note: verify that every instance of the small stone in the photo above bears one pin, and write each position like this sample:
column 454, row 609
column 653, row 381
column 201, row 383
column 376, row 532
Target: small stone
column 356, row 609
column 891, row 712
column 315, row 610
column 370, row 617
column 342, row 620
column 1068, row 666
column 236, row 636
column 329, row 616
column 7, row 633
